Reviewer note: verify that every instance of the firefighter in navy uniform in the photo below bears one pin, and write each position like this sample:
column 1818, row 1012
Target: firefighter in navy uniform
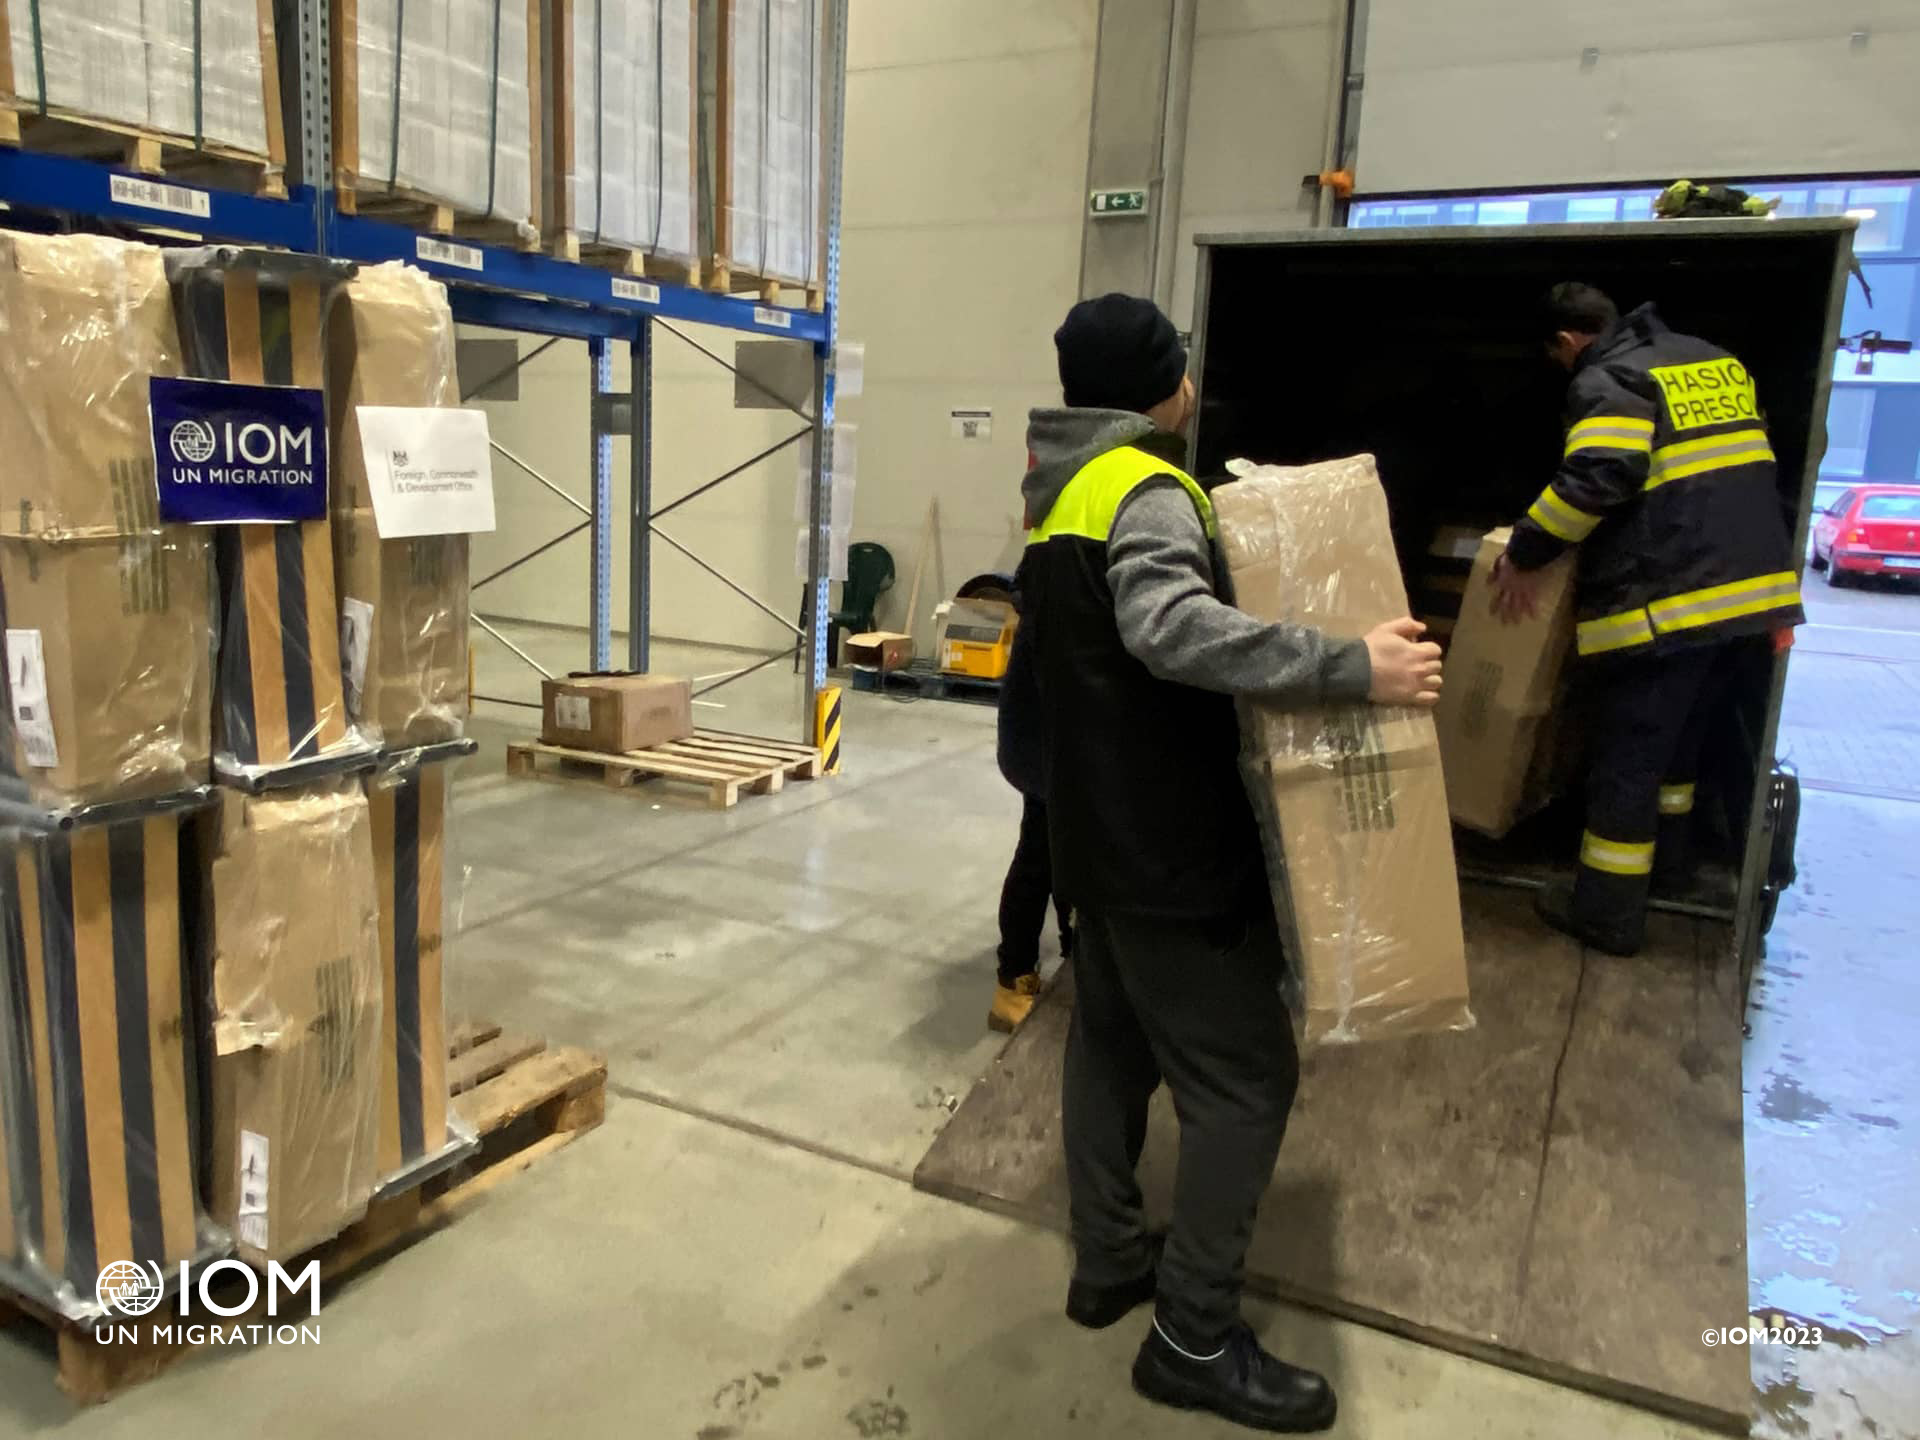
column 1668, row 489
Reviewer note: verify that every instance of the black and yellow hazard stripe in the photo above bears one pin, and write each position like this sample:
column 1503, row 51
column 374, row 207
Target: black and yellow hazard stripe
column 280, row 689
column 409, row 813
column 826, row 728
column 106, row 1160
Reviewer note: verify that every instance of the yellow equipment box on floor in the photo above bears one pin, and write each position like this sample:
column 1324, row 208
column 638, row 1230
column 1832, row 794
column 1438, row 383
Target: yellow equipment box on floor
column 977, row 638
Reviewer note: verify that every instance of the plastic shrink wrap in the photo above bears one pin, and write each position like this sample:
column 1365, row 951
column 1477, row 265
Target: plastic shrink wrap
column 1352, row 807
column 109, row 630
column 403, row 602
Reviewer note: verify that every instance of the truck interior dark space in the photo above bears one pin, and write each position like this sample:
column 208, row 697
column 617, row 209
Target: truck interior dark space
column 1423, row 348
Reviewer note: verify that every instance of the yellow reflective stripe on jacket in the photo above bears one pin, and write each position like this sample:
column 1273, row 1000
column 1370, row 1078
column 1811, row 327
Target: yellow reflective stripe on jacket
column 1557, row 517
column 1089, row 501
column 1717, row 452
column 1613, row 632
column 1611, row 432
column 1676, row 799
column 1616, row 857
column 1725, row 602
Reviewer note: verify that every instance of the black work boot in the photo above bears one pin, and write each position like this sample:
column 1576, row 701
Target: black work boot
column 1560, row 904
column 1240, row 1382
column 1098, row 1306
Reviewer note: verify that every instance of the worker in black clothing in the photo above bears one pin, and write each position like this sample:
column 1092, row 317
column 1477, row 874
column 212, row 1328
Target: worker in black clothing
column 1668, row 489
column 1177, row 965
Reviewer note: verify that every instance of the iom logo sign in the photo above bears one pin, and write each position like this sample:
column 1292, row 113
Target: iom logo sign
column 227, row 453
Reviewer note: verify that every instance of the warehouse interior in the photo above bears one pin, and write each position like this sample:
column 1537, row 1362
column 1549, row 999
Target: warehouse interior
column 808, row 1191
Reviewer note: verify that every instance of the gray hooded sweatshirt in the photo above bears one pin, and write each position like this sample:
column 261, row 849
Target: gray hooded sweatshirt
column 1160, row 566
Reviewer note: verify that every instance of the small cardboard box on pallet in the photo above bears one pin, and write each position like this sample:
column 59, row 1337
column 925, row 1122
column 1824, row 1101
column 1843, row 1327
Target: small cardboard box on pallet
column 1503, row 681
column 101, row 1075
column 1352, row 807
column 109, row 621
column 619, row 133
column 615, row 712
column 403, row 602
column 297, row 1017
column 440, row 111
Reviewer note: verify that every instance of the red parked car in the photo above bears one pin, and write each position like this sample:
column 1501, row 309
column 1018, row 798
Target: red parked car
column 1869, row 530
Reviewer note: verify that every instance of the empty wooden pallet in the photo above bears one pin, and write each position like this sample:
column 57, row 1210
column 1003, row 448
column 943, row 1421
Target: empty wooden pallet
column 723, row 764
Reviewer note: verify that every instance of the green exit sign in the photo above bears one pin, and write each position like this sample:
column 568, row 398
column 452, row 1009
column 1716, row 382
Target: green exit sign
column 1117, row 202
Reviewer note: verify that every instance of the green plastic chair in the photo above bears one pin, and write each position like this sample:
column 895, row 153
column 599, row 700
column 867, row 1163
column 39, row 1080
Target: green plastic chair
column 869, row 576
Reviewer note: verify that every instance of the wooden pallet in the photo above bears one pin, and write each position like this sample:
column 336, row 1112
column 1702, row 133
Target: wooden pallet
column 921, row 680
column 375, row 199
column 522, row 1099
column 725, row 278
column 723, row 763
column 623, row 260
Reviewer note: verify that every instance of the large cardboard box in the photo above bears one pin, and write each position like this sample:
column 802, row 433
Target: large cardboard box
column 1503, row 682
column 403, row 603
column 109, row 632
column 1350, row 798
column 616, row 712
column 259, row 317
column 100, row 1081
column 408, row 805
column 297, row 1018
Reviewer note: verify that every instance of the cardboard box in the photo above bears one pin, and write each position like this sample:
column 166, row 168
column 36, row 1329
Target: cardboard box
column 99, row 1081
column 297, row 1017
column 1350, row 799
column 409, row 812
column 615, row 712
column 259, row 317
column 110, row 651
column 881, row 650
column 1503, row 681
column 976, row 638
column 403, row 603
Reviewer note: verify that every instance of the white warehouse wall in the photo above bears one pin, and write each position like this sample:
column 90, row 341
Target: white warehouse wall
column 1489, row 93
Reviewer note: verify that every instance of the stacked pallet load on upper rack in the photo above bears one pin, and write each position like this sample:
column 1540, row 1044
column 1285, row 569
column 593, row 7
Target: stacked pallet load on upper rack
column 620, row 128
column 763, row 183
column 436, row 115
column 189, row 91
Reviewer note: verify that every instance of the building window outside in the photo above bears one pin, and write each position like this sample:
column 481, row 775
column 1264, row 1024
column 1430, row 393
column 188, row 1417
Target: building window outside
column 1887, row 245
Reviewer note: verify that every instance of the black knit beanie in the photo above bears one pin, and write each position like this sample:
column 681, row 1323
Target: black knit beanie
column 1119, row 353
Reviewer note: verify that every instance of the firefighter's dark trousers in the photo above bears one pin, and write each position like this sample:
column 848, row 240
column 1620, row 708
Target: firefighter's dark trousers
column 1198, row 1005
column 1649, row 719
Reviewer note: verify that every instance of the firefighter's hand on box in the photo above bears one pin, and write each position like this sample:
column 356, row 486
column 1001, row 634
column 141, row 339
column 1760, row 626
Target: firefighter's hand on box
column 1406, row 669
column 1516, row 592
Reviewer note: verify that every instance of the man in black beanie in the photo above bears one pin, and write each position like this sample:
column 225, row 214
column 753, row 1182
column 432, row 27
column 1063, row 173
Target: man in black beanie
column 1135, row 656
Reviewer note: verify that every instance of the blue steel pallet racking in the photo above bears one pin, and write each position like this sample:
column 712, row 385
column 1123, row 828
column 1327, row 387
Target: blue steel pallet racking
column 517, row 291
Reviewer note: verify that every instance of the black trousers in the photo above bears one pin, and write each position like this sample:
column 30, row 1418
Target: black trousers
column 1198, row 1005
column 1649, row 718
column 1025, row 895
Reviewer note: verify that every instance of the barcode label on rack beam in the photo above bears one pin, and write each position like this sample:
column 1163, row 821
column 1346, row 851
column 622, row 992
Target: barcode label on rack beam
column 778, row 319
column 445, row 252
column 625, row 289
column 155, row 195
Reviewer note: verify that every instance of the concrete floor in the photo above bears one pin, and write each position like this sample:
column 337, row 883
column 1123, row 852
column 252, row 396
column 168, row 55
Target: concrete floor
column 790, row 996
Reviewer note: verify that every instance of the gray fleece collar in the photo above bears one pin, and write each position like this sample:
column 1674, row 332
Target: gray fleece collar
column 1061, row 440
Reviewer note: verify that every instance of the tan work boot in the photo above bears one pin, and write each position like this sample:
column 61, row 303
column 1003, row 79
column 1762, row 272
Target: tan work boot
column 1012, row 1006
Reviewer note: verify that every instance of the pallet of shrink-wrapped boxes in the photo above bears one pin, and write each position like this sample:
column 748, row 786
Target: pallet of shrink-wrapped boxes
column 182, row 91
column 403, row 601
column 109, row 633
column 436, row 115
column 620, row 125
column 1352, row 807
column 258, row 317
column 762, row 165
